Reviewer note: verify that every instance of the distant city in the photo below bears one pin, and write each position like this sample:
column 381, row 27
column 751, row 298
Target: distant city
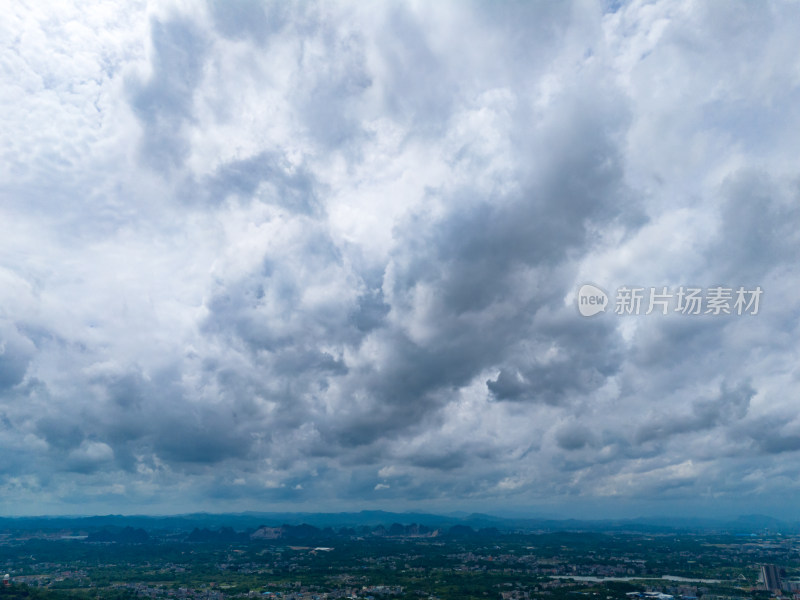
column 354, row 556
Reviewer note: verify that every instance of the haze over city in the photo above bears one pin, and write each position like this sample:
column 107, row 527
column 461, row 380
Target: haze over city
column 326, row 256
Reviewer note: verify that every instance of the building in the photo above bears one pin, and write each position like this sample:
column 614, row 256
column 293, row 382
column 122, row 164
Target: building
column 770, row 578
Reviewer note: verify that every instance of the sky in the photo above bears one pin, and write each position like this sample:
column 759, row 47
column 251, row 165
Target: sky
column 326, row 256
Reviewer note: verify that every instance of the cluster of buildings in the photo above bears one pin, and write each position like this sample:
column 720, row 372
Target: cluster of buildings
column 367, row 592
column 143, row 590
column 650, row 595
column 771, row 579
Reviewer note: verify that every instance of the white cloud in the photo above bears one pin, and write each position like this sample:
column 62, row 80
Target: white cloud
column 300, row 251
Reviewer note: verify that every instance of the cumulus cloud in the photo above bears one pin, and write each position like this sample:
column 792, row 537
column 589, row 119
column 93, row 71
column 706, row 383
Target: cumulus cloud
column 264, row 255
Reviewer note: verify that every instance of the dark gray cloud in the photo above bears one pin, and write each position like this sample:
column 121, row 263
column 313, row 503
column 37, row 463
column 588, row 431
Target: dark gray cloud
column 16, row 352
column 164, row 102
column 574, row 437
column 729, row 406
column 252, row 19
column 757, row 230
column 267, row 176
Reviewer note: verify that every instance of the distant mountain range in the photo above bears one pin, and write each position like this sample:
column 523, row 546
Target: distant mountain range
column 242, row 525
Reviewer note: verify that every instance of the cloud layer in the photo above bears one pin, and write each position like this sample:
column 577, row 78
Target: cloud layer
column 263, row 255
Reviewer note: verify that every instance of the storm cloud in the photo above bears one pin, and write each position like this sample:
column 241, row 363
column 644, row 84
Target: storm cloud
column 260, row 255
